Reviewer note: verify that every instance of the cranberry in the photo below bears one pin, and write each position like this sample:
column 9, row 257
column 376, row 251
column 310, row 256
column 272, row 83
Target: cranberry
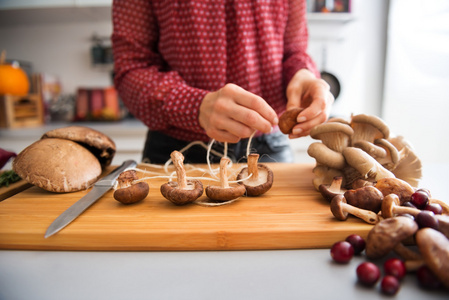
column 395, row 267
column 419, row 199
column 389, row 285
column 427, row 219
column 434, row 207
column 424, row 190
column 342, row 252
column 357, row 242
column 427, row 279
column 368, row 273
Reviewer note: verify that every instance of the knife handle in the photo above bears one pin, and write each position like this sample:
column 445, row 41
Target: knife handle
column 109, row 180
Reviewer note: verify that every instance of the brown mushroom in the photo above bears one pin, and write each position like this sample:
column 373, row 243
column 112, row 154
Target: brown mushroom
column 359, row 183
column 434, row 248
column 288, row 119
column 391, row 207
column 395, row 186
column 183, row 191
column 261, row 178
column 368, row 128
column 443, row 224
column 340, row 209
column 129, row 192
column 388, row 234
column 329, row 191
column 224, row 192
column 326, row 156
column 334, row 135
column 367, row 197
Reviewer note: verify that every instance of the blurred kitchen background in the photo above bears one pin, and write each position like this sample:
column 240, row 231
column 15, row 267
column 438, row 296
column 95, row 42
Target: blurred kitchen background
column 390, row 57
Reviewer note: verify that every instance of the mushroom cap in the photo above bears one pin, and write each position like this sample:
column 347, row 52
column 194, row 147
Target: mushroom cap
column 395, row 186
column 367, row 197
column 57, row 165
column 178, row 196
column 380, row 128
column 372, row 149
column 339, row 120
column 218, row 193
column 434, row 248
column 335, row 135
column 288, row 119
column 388, row 204
column 391, row 151
column 388, row 233
column 326, row 156
column 337, row 207
column 95, row 141
column 133, row 193
column 443, row 224
column 257, row 186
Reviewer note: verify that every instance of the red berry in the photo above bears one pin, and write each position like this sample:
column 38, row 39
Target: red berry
column 368, row 273
column 389, row 285
column 395, row 267
column 419, row 199
column 427, row 279
column 357, row 242
column 342, row 252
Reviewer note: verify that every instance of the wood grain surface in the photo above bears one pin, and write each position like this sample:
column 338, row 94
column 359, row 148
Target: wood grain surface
column 292, row 215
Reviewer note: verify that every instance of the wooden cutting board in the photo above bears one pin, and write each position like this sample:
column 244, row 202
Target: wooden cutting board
column 291, row 215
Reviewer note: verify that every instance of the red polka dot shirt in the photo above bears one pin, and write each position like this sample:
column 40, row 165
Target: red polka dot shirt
column 169, row 54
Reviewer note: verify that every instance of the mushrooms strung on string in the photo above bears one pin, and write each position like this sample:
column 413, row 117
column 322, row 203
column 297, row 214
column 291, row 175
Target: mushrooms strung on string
column 224, row 192
column 261, row 178
column 182, row 191
column 128, row 191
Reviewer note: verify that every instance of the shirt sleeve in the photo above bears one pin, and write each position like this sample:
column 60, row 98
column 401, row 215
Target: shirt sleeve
column 158, row 97
column 296, row 42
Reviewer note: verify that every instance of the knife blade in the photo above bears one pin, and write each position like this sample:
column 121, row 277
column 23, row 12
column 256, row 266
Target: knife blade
column 99, row 189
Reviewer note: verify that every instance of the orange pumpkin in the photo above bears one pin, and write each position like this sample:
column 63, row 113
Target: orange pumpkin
column 13, row 80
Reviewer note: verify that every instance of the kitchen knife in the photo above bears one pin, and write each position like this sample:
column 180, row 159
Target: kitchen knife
column 99, row 189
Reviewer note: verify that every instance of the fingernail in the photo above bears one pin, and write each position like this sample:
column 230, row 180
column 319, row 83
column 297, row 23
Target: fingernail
column 301, row 119
column 275, row 121
column 297, row 131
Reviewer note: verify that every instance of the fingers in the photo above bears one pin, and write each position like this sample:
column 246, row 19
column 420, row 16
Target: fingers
column 313, row 95
column 233, row 113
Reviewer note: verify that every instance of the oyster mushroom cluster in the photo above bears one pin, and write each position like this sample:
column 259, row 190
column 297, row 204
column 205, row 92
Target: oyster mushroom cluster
column 361, row 149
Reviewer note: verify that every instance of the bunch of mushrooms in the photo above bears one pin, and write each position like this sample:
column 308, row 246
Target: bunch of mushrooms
column 361, row 149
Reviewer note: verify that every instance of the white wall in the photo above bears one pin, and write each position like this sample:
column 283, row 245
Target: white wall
column 417, row 78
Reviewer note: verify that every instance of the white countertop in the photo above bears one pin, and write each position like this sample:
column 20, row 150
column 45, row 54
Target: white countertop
column 281, row 274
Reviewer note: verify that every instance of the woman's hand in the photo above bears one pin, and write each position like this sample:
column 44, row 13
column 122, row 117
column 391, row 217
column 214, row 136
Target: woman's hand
column 313, row 94
column 232, row 113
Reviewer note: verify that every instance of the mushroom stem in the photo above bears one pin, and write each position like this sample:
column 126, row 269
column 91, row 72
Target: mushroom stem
column 391, row 207
column 224, row 172
column 178, row 160
column 413, row 265
column 366, row 215
column 252, row 166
